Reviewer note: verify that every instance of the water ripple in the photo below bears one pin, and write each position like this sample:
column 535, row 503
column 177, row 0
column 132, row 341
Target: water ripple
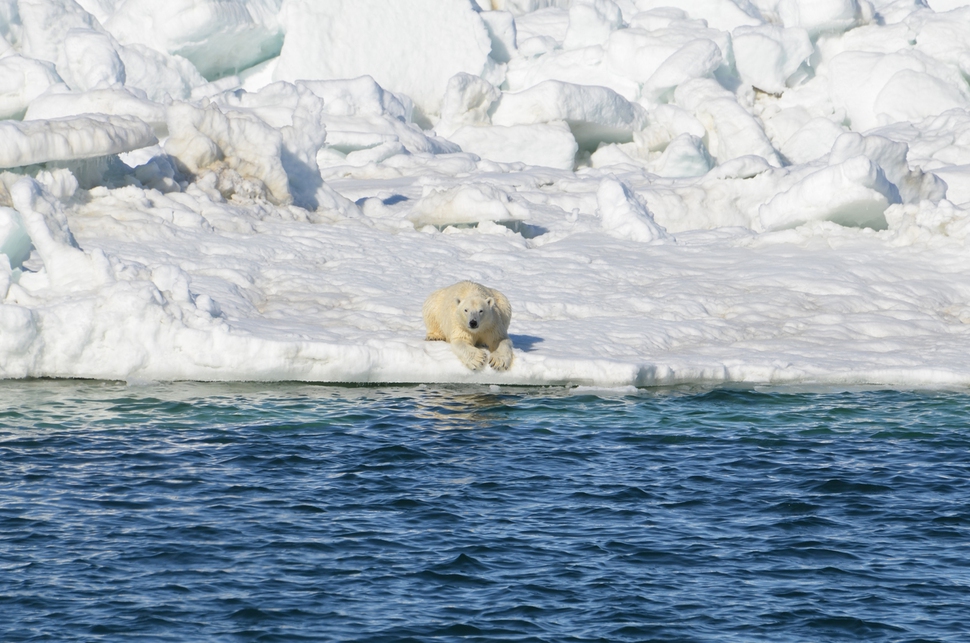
column 296, row 512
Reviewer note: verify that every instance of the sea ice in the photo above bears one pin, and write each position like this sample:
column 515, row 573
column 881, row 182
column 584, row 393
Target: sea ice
column 669, row 192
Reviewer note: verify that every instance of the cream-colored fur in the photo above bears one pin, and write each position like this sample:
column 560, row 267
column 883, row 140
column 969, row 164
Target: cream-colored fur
column 470, row 316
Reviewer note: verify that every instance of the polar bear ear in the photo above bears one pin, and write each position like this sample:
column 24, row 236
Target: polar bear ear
column 490, row 302
column 457, row 301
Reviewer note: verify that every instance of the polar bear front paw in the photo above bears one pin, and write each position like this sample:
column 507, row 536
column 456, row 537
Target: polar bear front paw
column 474, row 358
column 500, row 360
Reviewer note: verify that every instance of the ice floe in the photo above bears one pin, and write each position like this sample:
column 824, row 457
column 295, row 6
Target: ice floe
column 669, row 192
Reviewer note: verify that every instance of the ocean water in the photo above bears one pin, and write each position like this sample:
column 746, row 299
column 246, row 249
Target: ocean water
column 284, row 512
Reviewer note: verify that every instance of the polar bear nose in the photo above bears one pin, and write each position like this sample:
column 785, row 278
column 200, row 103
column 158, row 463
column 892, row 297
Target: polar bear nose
column 473, row 323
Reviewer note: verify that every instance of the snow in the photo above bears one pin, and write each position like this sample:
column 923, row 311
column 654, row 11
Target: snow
column 669, row 192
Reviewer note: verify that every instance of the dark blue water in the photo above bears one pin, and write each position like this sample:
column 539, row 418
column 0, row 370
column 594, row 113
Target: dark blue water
column 306, row 513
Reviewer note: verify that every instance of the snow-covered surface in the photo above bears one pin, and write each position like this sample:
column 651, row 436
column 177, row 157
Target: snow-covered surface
column 668, row 191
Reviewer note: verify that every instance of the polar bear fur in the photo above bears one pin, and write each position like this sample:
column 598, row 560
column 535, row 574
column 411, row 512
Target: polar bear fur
column 470, row 316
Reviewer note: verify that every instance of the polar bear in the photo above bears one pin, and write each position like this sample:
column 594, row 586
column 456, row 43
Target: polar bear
column 469, row 315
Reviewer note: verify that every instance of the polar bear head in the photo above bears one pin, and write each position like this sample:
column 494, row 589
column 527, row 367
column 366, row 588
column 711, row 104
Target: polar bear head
column 476, row 313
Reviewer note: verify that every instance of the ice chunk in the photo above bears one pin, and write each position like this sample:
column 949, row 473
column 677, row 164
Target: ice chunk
column 68, row 139
column 115, row 102
column 465, row 204
column 100, row 9
column 161, row 76
column 911, row 95
column 913, row 185
column 818, row 16
column 358, row 115
column 697, row 59
column 67, row 265
column 957, row 179
column 467, row 101
column 87, row 56
column 591, row 22
column 92, row 60
column 209, row 138
column 878, row 89
column 256, row 145
column 681, row 52
column 18, row 330
column 927, row 223
column 726, row 15
column 502, row 32
column 936, row 141
column 6, row 277
column 10, row 26
column 811, row 141
column 413, row 48
column 941, row 6
column 527, row 7
column 685, row 156
column 360, row 96
column 14, row 240
column 46, row 25
column 852, row 193
column 944, row 35
column 732, row 131
column 624, row 217
column 550, row 22
column 59, row 182
column 595, row 114
column 767, row 56
column 219, row 37
column 21, row 81
column 857, row 77
column 583, row 66
column 299, row 115
column 741, row 167
column 545, row 144
column 43, row 215
column 668, row 122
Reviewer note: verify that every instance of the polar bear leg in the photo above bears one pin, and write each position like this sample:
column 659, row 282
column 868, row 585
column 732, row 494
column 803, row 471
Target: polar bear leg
column 473, row 358
column 501, row 357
